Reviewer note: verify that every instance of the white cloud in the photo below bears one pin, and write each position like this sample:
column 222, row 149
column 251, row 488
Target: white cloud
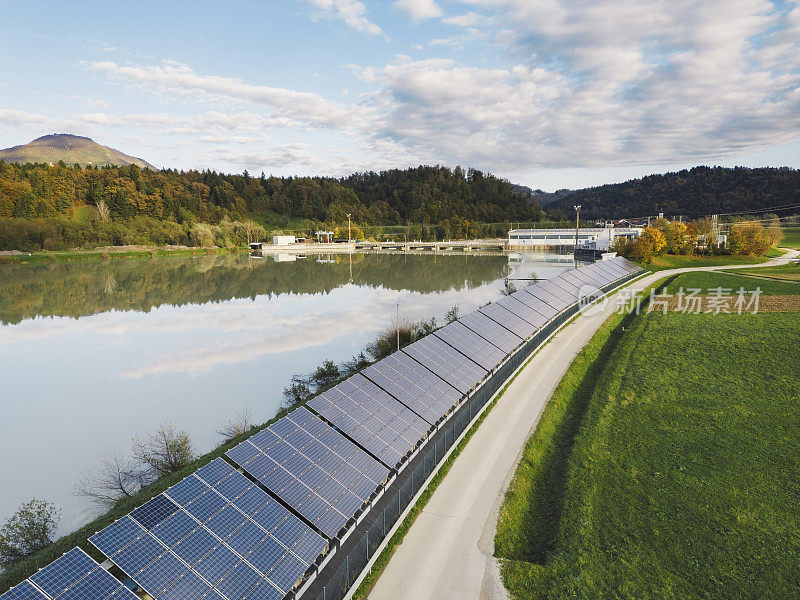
column 471, row 19
column 419, row 10
column 294, row 107
column 352, row 12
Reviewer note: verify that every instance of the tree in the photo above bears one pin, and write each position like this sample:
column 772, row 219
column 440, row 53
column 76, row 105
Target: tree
column 27, row 532
column 650, row 243
column 773, row 229
column 113, row 479
column 326, row 374
column 164, row 451
column 297, row 391
column 235, row 427
column 452, row 314
column 355, row 364
column 748, row 239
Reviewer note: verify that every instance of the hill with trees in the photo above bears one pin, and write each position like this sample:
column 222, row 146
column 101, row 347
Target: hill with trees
column 70, row 149
column 696, row 192
column 68, row 206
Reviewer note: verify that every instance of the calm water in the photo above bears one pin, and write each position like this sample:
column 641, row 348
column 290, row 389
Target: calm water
column 92, row 354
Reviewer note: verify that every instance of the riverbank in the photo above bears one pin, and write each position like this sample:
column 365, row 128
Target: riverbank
column 109, row 253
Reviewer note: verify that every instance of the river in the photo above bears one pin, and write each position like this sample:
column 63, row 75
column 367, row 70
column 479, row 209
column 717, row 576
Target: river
column 94, row 353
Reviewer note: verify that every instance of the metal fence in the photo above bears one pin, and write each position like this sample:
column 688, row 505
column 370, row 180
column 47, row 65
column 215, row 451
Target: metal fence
column 355, row 562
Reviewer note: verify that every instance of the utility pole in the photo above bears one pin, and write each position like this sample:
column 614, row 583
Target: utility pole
column 577, row 208
column 348, row 229
column 397, row 318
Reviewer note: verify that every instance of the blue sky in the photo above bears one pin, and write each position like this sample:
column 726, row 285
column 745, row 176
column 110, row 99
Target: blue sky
column 550, row 94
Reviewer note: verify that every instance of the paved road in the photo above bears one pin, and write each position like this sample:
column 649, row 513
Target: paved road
column 447, row 553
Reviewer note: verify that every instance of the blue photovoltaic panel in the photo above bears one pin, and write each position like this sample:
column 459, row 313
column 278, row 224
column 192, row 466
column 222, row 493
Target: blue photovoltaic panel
column 595, row 271
column 116, row 536
column 236, row 584
column 97, row 585
column 370, row 416
column 195, row 546
column 215, row 471
column 151, row 513
column 206, row 506
column 233, row 486
column 24, row 591
column 511, row 313
column 314, row 468
column 63, row 572
column 541, row 307
column 447, row 363
column 123, row 593
column 471, row 345
column 416, row 387
column 144, row 550
column 174, row 528
column 187, row 490
column 264, row 591
column 188, row 587
column 161, row 573
column 491, row 331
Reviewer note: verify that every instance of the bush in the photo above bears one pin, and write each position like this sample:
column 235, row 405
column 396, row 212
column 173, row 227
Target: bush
column 748, row 239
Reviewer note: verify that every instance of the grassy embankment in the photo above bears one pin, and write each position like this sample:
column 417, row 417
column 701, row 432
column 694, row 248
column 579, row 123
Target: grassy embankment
column 791, row 237
column 664, row 466
column 707, row 280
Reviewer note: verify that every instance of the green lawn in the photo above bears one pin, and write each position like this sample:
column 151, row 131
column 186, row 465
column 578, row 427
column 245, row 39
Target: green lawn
column 705, row 280
column 670, row 261
column 664, row 467
column 791, row 237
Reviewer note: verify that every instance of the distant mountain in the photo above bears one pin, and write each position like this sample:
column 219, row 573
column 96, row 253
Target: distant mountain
column 696, row 192
column 546, row 198
column 71, row 149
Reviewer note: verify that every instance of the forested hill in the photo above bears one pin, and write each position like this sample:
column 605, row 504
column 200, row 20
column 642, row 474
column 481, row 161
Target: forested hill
column 699, row 191
column 67, row 206
column 418, row 195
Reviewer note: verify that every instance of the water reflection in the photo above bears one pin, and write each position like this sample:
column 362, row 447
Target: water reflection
column 94, row 353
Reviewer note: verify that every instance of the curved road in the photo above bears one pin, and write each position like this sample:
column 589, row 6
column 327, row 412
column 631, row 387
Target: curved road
column 447, row 553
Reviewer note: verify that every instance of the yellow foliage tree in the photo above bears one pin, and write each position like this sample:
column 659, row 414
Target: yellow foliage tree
column 649, row 244
column 748, row 239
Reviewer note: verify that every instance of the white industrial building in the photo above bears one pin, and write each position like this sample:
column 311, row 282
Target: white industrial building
column 595, row 238
column 283, row 240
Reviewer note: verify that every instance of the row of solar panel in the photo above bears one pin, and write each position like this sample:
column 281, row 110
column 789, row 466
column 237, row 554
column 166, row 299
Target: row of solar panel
column 73, row 576
column 213, row 535
column 217, row 535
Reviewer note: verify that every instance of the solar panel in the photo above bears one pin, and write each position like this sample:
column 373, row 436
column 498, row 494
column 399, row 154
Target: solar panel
column 557, row 291
column 63, row 572
column 97, row 585
column 542, row 308
column 572, row 278
column 537, row 291
column 314, row 468
column 370, row 416
column 572, row 290
column 522, row 311
column 471, row 345
column 492, row 331
column 586, row 278
column 151, row 513
column 24, row 591
column 445, row 362
column 597, row 273
column 511, row 318
column 116, row 536
column 415, row 386
column 608, row 271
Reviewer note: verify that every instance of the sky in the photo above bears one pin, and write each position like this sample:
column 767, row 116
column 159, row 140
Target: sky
column 545, row 93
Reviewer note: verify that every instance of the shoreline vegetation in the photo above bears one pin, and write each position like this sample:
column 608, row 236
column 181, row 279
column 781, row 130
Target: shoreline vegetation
column 298, row 392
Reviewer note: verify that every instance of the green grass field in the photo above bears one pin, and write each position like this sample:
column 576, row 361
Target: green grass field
column 705, row 280
column 791, row 237
column 671, row 261
column 665, row 466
